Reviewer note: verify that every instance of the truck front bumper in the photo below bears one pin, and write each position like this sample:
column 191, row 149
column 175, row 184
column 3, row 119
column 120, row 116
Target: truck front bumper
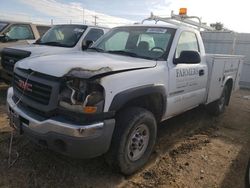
column 80, row 141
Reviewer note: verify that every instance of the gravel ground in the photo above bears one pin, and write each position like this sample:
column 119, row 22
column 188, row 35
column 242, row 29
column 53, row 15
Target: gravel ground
column 193, row 150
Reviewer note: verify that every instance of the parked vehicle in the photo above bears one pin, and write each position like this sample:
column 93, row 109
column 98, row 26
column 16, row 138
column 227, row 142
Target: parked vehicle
column 109, row 99
column 59, row 39
column 19, row 33
column 13, row 33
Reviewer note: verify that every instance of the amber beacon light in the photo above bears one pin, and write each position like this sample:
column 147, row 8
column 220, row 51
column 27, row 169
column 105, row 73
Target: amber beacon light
column 183, row 11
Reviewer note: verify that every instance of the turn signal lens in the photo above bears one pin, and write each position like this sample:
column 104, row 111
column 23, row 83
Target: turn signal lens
column 89, row 109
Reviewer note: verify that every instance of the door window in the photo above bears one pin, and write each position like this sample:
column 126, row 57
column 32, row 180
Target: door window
column 187, row 42
column 20, row 32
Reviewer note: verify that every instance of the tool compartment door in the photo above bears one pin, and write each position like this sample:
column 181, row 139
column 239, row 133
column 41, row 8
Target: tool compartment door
column 215, row 85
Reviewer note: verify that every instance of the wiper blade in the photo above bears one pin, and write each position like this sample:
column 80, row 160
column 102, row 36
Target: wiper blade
column 96, row 49
column 123, row 53
column 53, row 43
column 131, row 54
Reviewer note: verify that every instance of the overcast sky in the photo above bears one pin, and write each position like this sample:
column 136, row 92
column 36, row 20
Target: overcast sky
column 234, row 14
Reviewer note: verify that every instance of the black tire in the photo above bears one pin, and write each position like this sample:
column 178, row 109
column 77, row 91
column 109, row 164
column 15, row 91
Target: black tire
column 128, row 122
column 218, row 107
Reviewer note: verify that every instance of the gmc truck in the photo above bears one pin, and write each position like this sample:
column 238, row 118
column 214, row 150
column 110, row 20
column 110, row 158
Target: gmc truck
column 110, row 98
column 59, row 39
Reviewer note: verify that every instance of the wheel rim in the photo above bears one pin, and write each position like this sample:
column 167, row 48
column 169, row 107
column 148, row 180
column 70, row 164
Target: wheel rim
column 138, row 142
column 222, row 101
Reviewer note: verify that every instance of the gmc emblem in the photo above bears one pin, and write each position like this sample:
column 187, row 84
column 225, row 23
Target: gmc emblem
column 25, row 86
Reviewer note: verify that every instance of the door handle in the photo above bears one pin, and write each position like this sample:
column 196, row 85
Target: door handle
column 201, row 72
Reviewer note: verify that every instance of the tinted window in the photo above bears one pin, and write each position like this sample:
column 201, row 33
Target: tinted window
column 187, row 42
column 42, row 29
column 19, row 32
column 63, row 35
column 144, row 42
column 94, row 34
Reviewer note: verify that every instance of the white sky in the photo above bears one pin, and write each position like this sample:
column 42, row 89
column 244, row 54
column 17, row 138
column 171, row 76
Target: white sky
column 233, row 14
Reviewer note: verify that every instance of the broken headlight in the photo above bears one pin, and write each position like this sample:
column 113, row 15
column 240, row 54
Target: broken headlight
column 82, row 96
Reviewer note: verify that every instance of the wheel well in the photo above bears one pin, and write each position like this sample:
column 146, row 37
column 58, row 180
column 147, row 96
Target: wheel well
column 229, row 84
column 152, row 102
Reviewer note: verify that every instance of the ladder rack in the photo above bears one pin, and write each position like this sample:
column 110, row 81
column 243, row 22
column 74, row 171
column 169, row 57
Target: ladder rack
column 180, row 20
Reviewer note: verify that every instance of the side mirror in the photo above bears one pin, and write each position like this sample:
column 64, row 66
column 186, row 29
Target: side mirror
column 188, row 57
column 86, row 44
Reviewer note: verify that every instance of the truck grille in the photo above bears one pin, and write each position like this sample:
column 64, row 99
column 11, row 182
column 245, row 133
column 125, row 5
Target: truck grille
column 34, row 90
column 9, row 57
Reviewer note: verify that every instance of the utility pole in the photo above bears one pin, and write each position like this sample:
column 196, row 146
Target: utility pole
column 95, row 17
column 51, row 21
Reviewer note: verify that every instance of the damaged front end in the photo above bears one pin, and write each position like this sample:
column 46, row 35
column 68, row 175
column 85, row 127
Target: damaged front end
column 81, row 96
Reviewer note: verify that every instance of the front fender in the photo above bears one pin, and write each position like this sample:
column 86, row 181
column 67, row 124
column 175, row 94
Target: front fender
column 123, row 97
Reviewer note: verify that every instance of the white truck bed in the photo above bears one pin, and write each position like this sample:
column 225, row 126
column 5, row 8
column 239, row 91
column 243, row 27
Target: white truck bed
column 219, row 68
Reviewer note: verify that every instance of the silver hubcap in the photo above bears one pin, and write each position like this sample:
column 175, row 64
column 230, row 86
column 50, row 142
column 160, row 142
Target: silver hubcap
column 138, row 142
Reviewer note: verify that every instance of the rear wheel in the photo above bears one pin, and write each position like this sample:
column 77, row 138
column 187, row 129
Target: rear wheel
column 133, row 140
column 218, row 107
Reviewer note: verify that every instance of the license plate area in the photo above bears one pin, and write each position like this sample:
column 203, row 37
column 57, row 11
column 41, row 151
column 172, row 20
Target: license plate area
column 15, row 121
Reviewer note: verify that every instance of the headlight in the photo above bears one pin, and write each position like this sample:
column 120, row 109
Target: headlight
column 82, row 96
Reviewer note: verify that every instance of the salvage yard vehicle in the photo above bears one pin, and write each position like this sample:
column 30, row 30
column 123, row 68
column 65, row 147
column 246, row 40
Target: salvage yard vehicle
column 14, row 33
column 110, row 98
column 19, row 33
column 59, row 39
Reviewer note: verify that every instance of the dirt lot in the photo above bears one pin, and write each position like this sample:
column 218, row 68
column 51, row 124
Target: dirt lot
column 193, row 150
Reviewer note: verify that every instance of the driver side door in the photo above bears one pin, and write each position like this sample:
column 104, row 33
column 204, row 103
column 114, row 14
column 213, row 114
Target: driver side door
column 187, row 82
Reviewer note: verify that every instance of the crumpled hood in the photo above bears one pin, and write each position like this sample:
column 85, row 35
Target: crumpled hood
column 83, row 64
column 40, row 50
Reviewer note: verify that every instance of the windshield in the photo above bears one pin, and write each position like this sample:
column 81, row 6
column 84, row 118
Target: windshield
column 142, row 42
column 3, row 25
column 62, row 35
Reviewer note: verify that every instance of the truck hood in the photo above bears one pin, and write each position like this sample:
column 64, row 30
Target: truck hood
column 40, row 50
column 17, row 44
column 83, row 64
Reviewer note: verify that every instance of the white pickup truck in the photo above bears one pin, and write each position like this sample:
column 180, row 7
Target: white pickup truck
column 59, row 39
column 110, row 98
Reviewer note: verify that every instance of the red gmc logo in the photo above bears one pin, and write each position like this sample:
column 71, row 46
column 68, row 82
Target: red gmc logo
column 24, row 85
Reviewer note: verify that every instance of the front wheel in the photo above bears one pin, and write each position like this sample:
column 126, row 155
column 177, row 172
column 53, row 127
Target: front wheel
column 218, row 107
column 133, row 140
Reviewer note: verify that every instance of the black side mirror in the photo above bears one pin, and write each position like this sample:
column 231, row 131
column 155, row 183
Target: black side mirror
column 86, row 44
column 188, row 57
